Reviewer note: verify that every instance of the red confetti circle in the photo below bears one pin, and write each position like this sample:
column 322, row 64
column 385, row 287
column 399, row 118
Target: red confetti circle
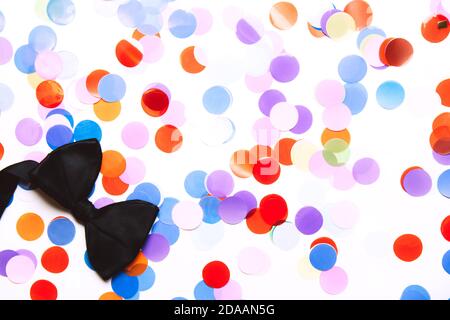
column 216, row 274
column 408, row 247
column 43, row 290
column 445, row 228
column 155, row 102
column 266, row 170
column 274, row 210
column 127, row 54
column 55, row 260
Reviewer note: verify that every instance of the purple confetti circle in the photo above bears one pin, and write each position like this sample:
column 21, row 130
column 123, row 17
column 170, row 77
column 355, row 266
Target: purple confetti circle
column 220, row 183
column 268, row 99
column 366, row 171
column 156, row 247
column 248, row 198
column 308, row 220
column 304, row 120
column 246, row 33
column 417, row 182
column 284, row 68
column 232, row 210
column 5, row 256
column 28, row 132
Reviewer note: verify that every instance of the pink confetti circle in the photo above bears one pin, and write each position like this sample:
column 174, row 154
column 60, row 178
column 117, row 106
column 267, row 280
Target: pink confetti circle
column 49, row 65
column 253, row 261
column 83, row 94
column 175, row 115
column 6, row 51
column 134, row 172
column 319, row 166
column 284, row 116
column 334, row 281
column 337, row 117
column 135, row 135
column 204, row 20
column 187, row 215
column 103, row 202
column 330, row 93
column 153, row 48
column 343, row 178
column 28, row 132
column 259, row 84
column 344, row 214
column 20, row 269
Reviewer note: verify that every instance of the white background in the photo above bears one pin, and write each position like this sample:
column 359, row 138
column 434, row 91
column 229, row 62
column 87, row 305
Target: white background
column 397, row 139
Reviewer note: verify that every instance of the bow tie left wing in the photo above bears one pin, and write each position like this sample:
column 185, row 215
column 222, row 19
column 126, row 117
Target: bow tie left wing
column 68, row 174
column 117, row 233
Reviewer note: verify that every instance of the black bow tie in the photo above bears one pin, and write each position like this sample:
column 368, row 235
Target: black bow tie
column 115, row 233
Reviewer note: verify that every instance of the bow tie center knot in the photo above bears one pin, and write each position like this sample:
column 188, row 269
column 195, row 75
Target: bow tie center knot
column 83, row 211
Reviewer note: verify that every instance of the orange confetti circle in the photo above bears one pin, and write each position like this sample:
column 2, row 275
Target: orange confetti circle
column 256, row 223
column 49, row 93
column 110, row 296
column 55, row 259
column 314, row 32
column 188, row 61
column 168, row 139
column 107, row 111
column 361, row 12
column 441, row 120
column 240, row 164
column 114, row 186
column 2, row 151
column 92, row 81
column 328, row 135
column 113, row 164
column 408, row 247
column 30, row 226
column 137, row 266
column 127, row 54
column 435, row 29
column 282, row 151
column 443, row 90
column 440, row 140
column 283, row 15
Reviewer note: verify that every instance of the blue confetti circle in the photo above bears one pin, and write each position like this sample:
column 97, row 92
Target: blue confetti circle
column 131, row 14
column 352, row 69
column 147, row 279
column 446, row 262
column 87, row 261
column 125, row 285
column 444, row 183
column 61, row 231
column 355, row 97
column 182, row 24
column 24, row 59
column 165, row 210
column 151, row 191
column 203, row 292
column 323, row 257
column 390, row 95
column 217, row 99
column 179, row 298
column 194, row 183
column 152, row 23
column 87, row 129
column 210, row 206
column 42, row 38
column 112, row 88
column 170, row 232
column 368, row 31
column 61, row 12
column 58, row 136
column 415, row 292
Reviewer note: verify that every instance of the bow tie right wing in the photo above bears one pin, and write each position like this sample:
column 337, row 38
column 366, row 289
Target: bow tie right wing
column 117, row 233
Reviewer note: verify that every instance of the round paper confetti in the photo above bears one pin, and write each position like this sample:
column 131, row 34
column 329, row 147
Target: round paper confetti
column 49, row 94
column 125, row 285
column 5, row 257
column 268, row 99
column 30, row 226
column 356, row 96
column 6, row 97
column 134, row 172
column 20, row 269
column 182, row 24
column 337, row 117
column 216, row 274
column 168, row 139
column 111, row 88
column 210, row 206
column 232, row 210
column 61, row 231
column 408, row 247
column 48, row 64
column 266, row 171
column 445, row 262
column 231, row 291
column 253, row 261
column 24, row 59
column 217, row 100
column 416, row 182
column 153, row 48
column 283, row 15
column 43, row 290
column 135, row 135
column 55, row 260
column 187, row 215
column 169, row 231
column 28, row 132
column 308, row 220
column 352, row 69
column 155, row 102
column 284, row 116
column 323, row 257
column 444, row 183
column 285, row 236
column 415, row 292
column 334, row 281
column 61, row 12
column 390, row 95
column 87, row 129
column 146, row 279
column 220, row 183
column 445, row 228
column 366, row 171
column 249, row 31
column 113, row 164
column 273, row 209
column 443, row 89
column 6, row 51
column 42, row 38
column 284, row 68
column 330, row 93
column 203, row 292
column 156, row 247
column 361, row 12
column 165, row 210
